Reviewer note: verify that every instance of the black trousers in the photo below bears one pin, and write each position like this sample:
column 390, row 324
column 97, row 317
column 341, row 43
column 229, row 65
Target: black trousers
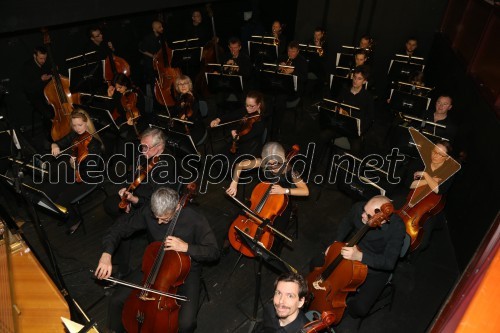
column 187, row 313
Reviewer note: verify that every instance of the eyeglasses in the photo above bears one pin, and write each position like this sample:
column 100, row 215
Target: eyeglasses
column 144, row 147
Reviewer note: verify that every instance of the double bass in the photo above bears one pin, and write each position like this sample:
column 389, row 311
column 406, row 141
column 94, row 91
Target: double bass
column 59, row 96
column 164, row 87
column 163, row 271
column 267, row 206
column 330, row 284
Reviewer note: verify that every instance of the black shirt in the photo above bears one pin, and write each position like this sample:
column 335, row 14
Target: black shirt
column 271, row 324
column 200, row 31
column 244, row 63
column 151, row 44
column 32, row 78
column 191, row 227
column 381, row 246
column 449, row 132
column 300, row 70
column 250, row 142
column 364, row 101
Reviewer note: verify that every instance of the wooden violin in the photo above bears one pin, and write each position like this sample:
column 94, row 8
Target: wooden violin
column 246, row 124
column 129, row 104
column 327, row 319
column 267, row 206
column 163, row 271
column 330, row 284
column 143, row 172
column 80, row 151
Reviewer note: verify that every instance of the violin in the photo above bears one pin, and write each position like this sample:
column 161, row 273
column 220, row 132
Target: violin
column 330, row 284
column 164, row 87
column 58, row 96
column 80, row 151
column 165, row 271
column 266, row 206
column 129, row 104
column 186, row 108
column 245, row 127
column 143, row 172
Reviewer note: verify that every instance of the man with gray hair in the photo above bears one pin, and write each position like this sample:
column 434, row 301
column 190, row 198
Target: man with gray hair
column 192, row 235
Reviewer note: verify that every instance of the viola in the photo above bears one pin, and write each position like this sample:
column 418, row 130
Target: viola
column 129, row 104
column 266, row 206
column 59, row 97
column 330, row 284
column 164, row 88
column 415, row 216
column 165, row 271
column 80, row 151
column 245, row 128
column 143, row 172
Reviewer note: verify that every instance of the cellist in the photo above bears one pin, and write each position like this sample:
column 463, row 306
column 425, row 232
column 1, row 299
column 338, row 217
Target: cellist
column 379, row 249
column 192, row 235
column 273, row 156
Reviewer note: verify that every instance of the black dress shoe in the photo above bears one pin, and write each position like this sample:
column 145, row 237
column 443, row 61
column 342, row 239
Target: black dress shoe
column 73, row 228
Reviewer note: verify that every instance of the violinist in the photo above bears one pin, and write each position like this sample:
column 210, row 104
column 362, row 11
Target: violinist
column 379, row 249
column 36, row 74
column 273, row 156
column 249, row 143
column 79, row 177
column 284, row 314
column 152, row 147
column 187, row 107
column 192, row 235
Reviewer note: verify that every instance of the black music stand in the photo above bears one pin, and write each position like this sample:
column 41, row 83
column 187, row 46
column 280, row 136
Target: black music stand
column 262, row 49
column 186, row 54
column 348, row 125
column 182, row 144
column 310, row 52
column 274, row 82
column 403, row 67
column 413, row 89
column 407, row 103
column 262, row 254
column 218, row 82
column 86, row 72
column 344, row 60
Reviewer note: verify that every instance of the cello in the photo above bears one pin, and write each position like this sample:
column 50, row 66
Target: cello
column 330, row 284
column 59, row 96
column 163, row 271
column 414, row 216
column 164, row 87
column 266, row 206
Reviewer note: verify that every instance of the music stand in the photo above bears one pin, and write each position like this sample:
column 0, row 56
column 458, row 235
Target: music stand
column 402, row 67
column 410, row 104
column 179, row 142
column 348, row 125
column 262, row 49
column 274, row 82
column 344, row 60
column 187, row 56
column 414, row 89
column 337, row 82
column 310, row 52
column 86, row 72
column 224, row 82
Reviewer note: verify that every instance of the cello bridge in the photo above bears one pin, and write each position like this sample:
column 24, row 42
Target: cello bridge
column 145, row 298
column 317, row 286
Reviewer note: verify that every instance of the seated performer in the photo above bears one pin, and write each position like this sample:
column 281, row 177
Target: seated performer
column 285, row 314
column 84, row 166
column 192, row 235
column 379, row 249
column 273, row 156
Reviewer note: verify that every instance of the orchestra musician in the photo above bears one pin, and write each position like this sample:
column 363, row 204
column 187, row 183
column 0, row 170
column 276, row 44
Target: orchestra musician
column 98, row 45
column 84, row 165
column 238, row 58
column 187, row 107
column 36, row 75
column 300, row 68
column 379, row 249
column 251, row 142
column 365, row 43
column 410, row 48
column 192, row 235
column 148, row 47
column 273, row 156
column 443, row 105
column 197, row 29
column 279, row 37
column 318, row 64
column 357, row 96
column 285, row 313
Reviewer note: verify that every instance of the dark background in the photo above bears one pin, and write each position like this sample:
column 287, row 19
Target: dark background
column 459, row 38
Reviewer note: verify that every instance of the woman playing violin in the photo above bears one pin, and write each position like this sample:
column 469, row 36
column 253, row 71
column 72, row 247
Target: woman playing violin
column 251, row 142
column 83, row 170
column 187, row 107
column 290, row 183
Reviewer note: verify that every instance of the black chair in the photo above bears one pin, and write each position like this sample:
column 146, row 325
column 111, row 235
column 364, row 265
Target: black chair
column 76, row 203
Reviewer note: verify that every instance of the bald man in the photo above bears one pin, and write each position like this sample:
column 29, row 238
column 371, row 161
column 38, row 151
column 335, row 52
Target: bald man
column 379, row 249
